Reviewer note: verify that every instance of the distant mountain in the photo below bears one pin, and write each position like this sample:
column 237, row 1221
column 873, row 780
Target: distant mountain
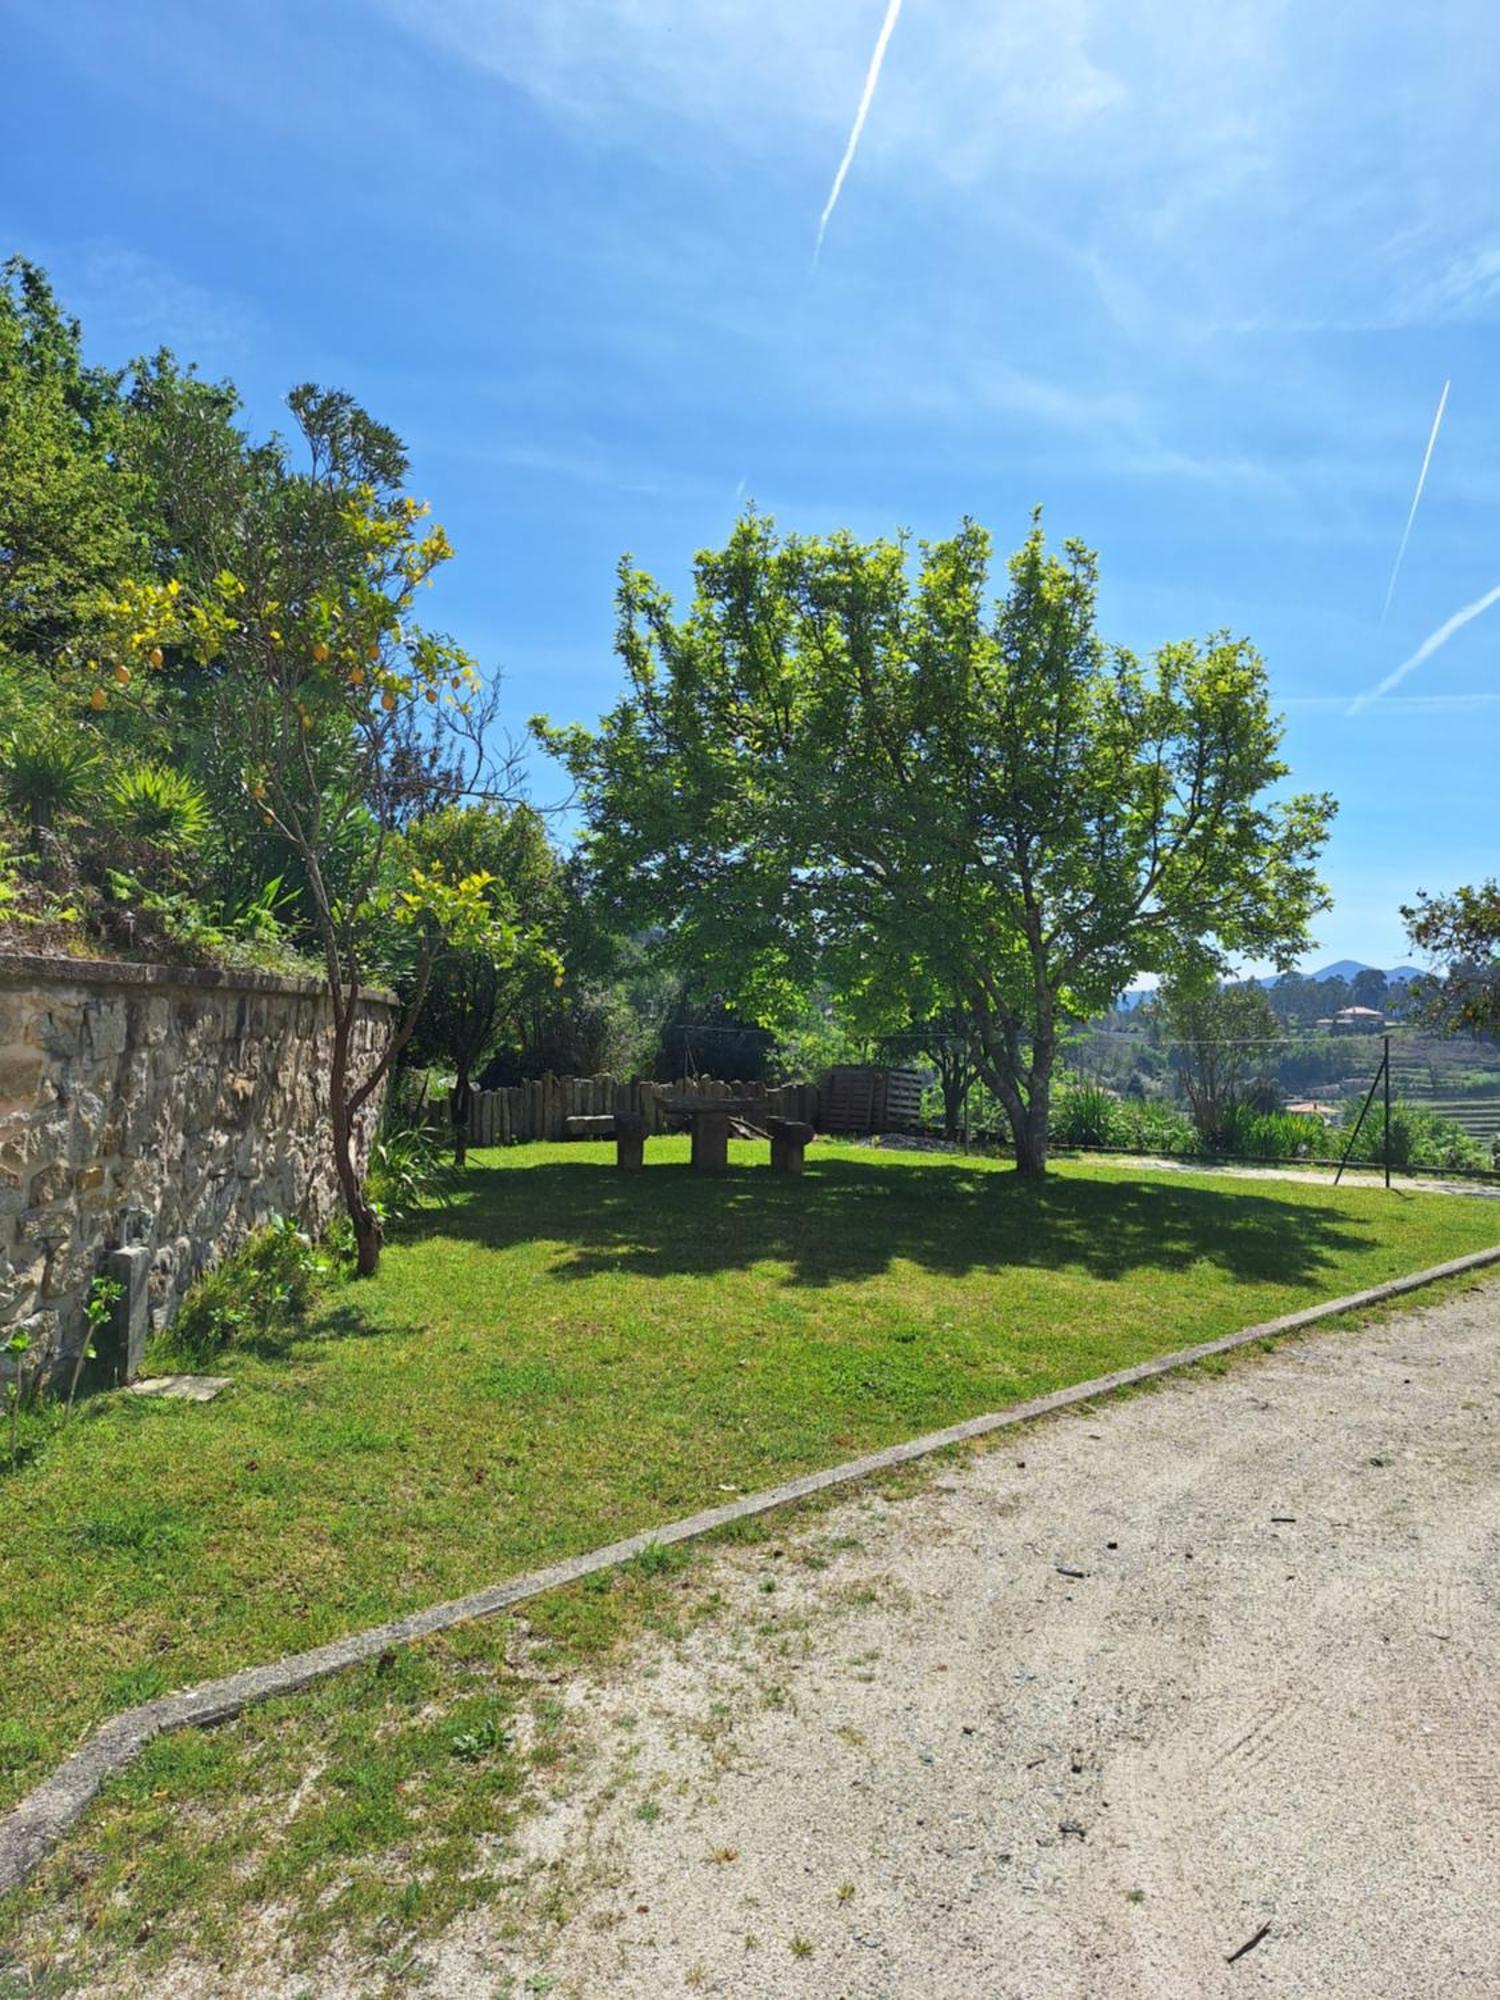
column 1341, row 968
column 1346, row 968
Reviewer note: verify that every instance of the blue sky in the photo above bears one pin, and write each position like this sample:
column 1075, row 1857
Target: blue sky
column 1192, row 278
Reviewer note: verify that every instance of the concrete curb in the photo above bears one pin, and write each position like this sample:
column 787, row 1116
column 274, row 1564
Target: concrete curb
column 46, row 1814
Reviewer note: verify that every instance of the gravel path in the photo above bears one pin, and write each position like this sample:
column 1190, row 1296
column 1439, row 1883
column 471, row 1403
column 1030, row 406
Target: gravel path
column 1078, row 1719
column 1409, row 1181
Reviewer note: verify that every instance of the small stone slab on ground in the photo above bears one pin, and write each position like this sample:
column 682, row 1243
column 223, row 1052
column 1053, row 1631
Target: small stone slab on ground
column 185, row 1388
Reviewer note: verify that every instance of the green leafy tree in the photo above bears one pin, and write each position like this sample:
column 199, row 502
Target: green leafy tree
column 1462, row 933
column 477, row 990
column 1223, row 1043
column 947, row 1041
column 834, row 766
column 1333, row 995
column 66, row 510
column 608, row 1013
column 1297, row 1000
column 819, row 1038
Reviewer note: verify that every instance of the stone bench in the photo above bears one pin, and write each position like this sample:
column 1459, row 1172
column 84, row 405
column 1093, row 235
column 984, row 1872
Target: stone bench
column 710, row 1123
column 626, row 1128
column 789, row 1142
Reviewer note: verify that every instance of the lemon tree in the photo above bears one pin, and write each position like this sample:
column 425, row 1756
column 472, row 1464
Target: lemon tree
column 288, row 630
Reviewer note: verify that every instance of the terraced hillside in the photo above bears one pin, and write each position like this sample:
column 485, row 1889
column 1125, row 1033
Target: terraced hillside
column 1479, row 1116
column 1457, row 1079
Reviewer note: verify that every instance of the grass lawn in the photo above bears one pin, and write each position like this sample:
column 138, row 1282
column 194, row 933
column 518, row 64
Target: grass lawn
column 561, row 1357
column 565, row 1354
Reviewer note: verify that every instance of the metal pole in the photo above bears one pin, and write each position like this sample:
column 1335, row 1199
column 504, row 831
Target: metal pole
column 1386, row 1067
column 1359, row 1122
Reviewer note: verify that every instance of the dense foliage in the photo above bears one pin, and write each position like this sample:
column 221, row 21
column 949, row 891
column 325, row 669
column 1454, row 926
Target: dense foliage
column 478, row 986
column 835, row 766
column 1462, row 932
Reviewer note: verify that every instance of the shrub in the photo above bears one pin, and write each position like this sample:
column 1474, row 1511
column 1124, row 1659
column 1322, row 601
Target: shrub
column 159, row 805
column 1272, row 1135
column 1419, row 1138
column 256, row 1298
column 1086, row 1114
column 49, row 767
column 1083, row 1114
column 410, row 1163
column 1151, row 1125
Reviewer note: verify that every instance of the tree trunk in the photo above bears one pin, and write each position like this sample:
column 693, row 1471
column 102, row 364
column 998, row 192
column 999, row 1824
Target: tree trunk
column 1028, row 1114
column 1023, row 1089
column 461, row 1106
column 1031, row 1133
column 367, row 1240
column 362, row 1217
column 953, row 1104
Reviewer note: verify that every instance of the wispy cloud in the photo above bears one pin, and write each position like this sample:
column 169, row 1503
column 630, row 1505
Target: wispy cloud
column 1425, row 651
column 1416, row 500
column 1411, row 704
column 583, row 464
column 128, row 298
column 1467, row 289
column 867, row 98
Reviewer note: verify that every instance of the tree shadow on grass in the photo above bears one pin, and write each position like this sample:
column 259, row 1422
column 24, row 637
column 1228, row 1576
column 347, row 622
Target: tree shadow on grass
column 847, row 1220
column 345, row 1315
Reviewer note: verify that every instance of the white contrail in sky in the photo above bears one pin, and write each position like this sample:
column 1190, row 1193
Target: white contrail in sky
column 1427, row 648
column 1416, row 500
column 872, row 77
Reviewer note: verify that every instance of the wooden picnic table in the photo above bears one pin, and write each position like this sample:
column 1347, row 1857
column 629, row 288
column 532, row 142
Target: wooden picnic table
column 708, row 1120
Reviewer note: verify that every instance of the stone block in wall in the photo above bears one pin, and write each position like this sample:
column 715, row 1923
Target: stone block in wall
column 57, row 1027
column 50, row 1185
column 72, row 1262
column 137, row 1105
column 91, row 1121
column 150, row 1022
column 106, row 1031
column 20, row 1287
column 40, row 1330
column 28, row 1144
column 23, row 1073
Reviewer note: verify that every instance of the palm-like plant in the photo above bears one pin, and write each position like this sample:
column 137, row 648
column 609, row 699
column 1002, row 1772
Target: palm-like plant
column 155, row 803
column 47, row 768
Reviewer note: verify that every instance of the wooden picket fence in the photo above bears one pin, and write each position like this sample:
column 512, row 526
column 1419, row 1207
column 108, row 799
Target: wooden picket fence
column 541, row 1108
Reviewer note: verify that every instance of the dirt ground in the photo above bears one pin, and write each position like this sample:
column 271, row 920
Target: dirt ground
column 1193, row 1694
column 1084, row 1717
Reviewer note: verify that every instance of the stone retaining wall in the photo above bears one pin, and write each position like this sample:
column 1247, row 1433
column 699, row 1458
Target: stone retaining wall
column 163, row 1106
